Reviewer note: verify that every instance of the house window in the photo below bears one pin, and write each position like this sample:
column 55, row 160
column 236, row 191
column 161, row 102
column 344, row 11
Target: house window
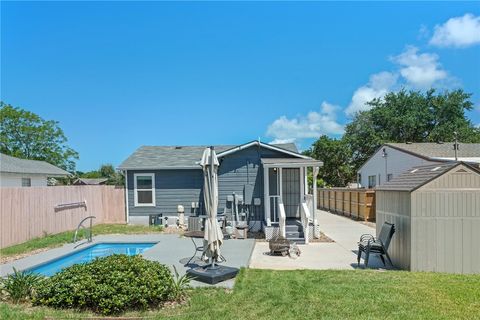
column 372, row 181
column 389, row 176
column 144, row 189
column 26, row 182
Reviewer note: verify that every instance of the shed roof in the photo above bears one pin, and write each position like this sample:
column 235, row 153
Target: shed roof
column 418, row 176
column 16, row 165
column 181, row 157
column 443, row 150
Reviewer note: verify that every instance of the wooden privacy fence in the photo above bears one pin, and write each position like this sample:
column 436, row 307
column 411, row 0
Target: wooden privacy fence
column 27, row 213
column 355, row 203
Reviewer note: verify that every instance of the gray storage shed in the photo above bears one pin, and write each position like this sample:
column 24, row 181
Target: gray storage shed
column 436, row 212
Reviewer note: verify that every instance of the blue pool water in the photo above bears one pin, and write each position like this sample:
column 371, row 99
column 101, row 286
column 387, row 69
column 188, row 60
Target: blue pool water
column 89, row 254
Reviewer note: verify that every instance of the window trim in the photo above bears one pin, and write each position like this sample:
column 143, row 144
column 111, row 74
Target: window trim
column 374, row 178
column 135, row 190
column 29, row 182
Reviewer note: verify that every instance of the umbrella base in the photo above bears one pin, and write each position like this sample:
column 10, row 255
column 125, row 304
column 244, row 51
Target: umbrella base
column 212, row 275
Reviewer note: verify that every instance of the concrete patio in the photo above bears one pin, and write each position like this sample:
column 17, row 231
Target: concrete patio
column 171, row 250
column 341, row 254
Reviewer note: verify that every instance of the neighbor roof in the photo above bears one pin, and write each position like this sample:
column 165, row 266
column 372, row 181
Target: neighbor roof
column 443, row 150
column 16, row 165
column 418, row 176
column 184, row 157
column 92, row 181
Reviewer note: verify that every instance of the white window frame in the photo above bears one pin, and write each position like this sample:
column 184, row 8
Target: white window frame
column 135, row 190
column 24, row 179
column 374, row 179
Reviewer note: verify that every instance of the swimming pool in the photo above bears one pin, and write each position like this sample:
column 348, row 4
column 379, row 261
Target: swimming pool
column 90, row 253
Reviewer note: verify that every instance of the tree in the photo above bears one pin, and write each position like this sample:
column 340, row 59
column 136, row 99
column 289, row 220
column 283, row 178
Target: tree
column 335, row 154
column 105, row 171
column 26, row 135
column 411, row 116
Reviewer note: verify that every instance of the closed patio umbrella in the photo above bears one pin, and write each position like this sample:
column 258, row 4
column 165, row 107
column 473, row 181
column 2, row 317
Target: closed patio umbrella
column 213, row 237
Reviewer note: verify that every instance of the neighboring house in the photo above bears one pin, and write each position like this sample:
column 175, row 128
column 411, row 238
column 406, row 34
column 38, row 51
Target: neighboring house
column 90, row 181
column 15, row 172
column 270, row 178
column 391, row 159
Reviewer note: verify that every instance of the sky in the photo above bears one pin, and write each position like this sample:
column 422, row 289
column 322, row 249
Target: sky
column 118, row 75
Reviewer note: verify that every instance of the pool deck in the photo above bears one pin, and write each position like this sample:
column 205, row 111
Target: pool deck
column 171, row 250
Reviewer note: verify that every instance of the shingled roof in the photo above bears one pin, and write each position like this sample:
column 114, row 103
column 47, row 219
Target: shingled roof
column 418, row 176
column 16, row 165
column 443, row 150
column 172, row 157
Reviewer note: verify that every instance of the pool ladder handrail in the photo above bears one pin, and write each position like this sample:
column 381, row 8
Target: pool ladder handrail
column 89, row 230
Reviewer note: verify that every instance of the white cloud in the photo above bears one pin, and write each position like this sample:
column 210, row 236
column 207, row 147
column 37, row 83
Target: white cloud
column 377, row 87
column 421, row 70
column 457, row 32
column 281, row 141
column 311, row 126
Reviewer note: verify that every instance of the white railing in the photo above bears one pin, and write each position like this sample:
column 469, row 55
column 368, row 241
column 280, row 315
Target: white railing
column 305, row 215
column 282, row 219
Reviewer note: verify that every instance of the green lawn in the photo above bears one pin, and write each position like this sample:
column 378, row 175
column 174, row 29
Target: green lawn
column 58, row 239
column 357, row 294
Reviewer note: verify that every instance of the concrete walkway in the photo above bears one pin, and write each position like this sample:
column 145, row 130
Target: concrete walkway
column 341, row 254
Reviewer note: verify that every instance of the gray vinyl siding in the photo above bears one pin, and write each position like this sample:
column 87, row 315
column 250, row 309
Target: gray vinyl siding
column 180, row 186
column 241, row 168
column 172, row 188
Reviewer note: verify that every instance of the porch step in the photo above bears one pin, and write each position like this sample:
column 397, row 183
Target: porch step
column 294, row 228
column 294, row 234
column 297, row 240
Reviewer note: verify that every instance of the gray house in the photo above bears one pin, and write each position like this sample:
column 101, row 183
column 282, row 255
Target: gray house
column 271, row 180
column 392, row 159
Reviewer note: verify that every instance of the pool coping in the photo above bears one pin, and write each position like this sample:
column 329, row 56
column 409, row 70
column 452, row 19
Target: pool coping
column 53, row 254
column 88, row 245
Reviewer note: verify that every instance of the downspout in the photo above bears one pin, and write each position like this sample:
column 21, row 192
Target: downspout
column 127, row 210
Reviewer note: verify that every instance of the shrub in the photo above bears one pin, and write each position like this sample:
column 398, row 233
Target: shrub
column 180, row 285
column 109, row 285
column 19, row 286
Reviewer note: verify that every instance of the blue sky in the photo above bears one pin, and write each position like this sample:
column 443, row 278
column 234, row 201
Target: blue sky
column 120, row 75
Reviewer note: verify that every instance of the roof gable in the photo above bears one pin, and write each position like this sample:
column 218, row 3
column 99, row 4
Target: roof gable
column 186, row 157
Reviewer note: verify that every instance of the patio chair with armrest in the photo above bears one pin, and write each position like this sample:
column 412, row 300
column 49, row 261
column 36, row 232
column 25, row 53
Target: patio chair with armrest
column 201, row 248
column 369, row 244
column 197, row 249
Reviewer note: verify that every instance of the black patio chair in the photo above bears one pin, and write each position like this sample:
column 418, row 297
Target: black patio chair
column 194, row 258
column 369, row 244
column 197, row 249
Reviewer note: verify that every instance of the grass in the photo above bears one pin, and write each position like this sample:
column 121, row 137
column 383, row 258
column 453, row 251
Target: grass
column 55, row 240
column 305, row 294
